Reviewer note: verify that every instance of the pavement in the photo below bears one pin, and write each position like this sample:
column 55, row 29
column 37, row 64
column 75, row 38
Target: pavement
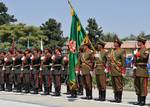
column 10, row 99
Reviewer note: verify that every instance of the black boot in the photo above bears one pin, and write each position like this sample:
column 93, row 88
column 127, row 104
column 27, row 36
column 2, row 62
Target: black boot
column 143, row 98
column 57, row 92
column 2, row 87
column 8, row 87
column 119, row 100
column 50, row 88
column 90, row 95
column 34, row 91
column 99, row 98
column 138, row 100
column 115, row 97
column 73, row 94
column 103, row 96
column 46, row 91
column 19, row 88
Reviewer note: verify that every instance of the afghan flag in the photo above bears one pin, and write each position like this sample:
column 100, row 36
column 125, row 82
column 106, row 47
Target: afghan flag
column 77, row 36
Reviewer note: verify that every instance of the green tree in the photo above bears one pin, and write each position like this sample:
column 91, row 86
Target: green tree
column 4, row 16
column 108, row 37
column 94, row 31
column 52, row 29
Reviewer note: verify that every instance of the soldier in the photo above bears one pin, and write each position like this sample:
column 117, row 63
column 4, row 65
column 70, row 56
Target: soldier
column 35, row 67
column 57, row 70
column 100, row 69
column 2, row 82
column 117, row 66
column 141, row 72
column 85, row 66
column 26, row 62
column 8, row 61
column 46, row 63
column 17, row 63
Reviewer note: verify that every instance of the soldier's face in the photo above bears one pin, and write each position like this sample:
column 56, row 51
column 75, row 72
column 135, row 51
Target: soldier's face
column 139, row 44
column 116, row 44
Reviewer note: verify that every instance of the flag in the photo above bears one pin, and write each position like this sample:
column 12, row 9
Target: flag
column 41, row 44
column 77, row 36
column 28, row 44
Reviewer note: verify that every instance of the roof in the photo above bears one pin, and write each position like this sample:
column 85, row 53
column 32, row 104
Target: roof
column 126, row 44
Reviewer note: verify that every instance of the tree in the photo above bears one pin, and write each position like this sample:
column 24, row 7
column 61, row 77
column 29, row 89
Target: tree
column 52, row 29
column 4, row 16
column 108, row 37
column 94, row 31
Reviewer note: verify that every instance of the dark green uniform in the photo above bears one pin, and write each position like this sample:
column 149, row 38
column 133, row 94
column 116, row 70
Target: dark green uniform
column 2, row 82
column 17, row 63
column 100, row 67
column 57, row 72
column 46, row 73
column 8, row 72
column 26, row 74
column 35, row 74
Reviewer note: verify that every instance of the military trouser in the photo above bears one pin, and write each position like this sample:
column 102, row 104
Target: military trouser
column 2, row 76
column 101, row 82
column 26, row 80
column 35, row 80
column 57, row 82
column 8, row 78
column 2, row 81
column 141, row 86
column 80, row 84
column 87, row 81
column 17, row 79
column 117, row 83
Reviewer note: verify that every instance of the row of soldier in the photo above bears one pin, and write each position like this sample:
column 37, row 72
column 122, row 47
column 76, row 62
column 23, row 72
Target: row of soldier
column 27, row 71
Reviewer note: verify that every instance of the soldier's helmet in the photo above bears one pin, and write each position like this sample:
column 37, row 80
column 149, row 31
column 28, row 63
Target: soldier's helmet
column 100, row 42
column 117, row 40
column 141, row 39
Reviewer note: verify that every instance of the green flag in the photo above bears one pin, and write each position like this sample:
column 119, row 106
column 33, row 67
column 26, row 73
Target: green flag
column 77, row 36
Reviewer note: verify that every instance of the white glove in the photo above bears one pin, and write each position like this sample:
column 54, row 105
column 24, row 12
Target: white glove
column 81, row 73
column 63, row 68
column 96, row 55
column 13, row 58
column 31, row 68
column 134, row 67
column 23, row 58
column 3, row 68
column 12, row 69
column 42, row 58
column 52, row 69
column 50, row 64
column 92, row 74
column 40, row 69
column 106, row 71
column 5, row 59
column 31, row 57
column 76, row 72
column 22, row 69
column 53, row 57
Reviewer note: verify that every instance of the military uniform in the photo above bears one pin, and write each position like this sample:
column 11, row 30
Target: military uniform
column 2, row 82
column 117, row 66
column 100, row 68
column 141, row 73
column 57, row 60
column 26, row 62
column 35, row 60
column 85, row 66
column 17, row 64
column 8, row 72
column 46, row 73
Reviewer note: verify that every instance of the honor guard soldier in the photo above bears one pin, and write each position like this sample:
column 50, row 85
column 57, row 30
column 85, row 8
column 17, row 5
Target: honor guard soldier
column 85, row 66
column 100, row 58
column 35, row 69
column 2, row 81
column 25, row 69
column 8, row 62
column 17, row 63
column 117, row 66
column 46, row 63
column 141, row 72
column 57, row 68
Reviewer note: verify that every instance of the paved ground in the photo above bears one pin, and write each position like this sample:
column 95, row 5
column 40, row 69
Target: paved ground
column 10, row 99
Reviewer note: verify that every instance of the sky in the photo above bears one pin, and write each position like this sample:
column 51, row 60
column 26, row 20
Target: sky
column 123, row 17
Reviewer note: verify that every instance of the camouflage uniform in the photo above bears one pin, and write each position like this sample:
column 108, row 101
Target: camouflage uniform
column 2, row 82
